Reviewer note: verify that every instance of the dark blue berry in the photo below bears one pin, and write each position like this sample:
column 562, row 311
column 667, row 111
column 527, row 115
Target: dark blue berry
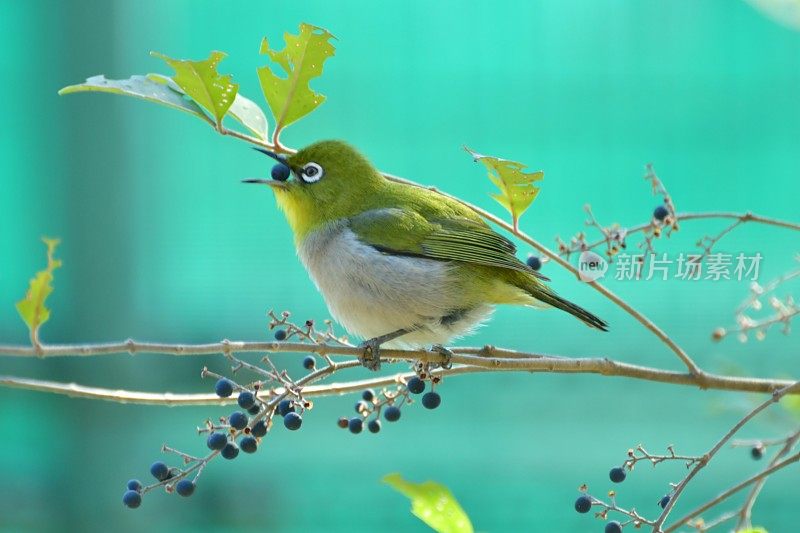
column 757, row 452
column 159, row 470
column 583, row 503
column 238, row 420
column 660, row 213
column 355, row 425
column 415, row 385
column 223, row 388
column 246, row 399
column 230, row 451
column 259, row 429
column 361, row 406
column 185, row 488
column 368, row 395
column 135, row 484
column 292, row 421
column 285, row 407
column 374, row 426
column 280, row 335
column 613, row 527
column 254, row 410
column 309, row 362
column 216, row 441
column 617, row 475
column 280, row 172
column 392, row 414
column 664, row 501
column 431, row 400
column 248, row 444
column 132, row 499
column 534, row 262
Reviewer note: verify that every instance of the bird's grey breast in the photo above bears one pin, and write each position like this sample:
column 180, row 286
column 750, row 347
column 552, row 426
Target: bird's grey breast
column 371, row 292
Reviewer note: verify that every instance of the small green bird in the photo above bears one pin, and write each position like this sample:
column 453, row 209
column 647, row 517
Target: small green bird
column 396, row 264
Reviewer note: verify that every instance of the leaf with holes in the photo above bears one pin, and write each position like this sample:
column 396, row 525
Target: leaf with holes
column 244, row 110
column 517, row 189
column 139, row 87
column 432, row 503
column 302, row 59
column 32, row 308
column 200, row 80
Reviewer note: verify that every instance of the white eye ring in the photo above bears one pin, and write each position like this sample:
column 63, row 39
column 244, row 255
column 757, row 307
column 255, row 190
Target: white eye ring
column 312, row 172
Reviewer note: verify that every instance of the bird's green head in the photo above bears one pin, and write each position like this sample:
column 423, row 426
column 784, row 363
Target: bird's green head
column 322, row 182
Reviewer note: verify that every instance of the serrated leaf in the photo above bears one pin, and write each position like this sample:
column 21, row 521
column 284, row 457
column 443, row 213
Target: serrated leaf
column 244, row 110
column 139, row 87
column 200, row 80
column 517, row 189
column 32, row 308
column 433, row 503
column 302, row 59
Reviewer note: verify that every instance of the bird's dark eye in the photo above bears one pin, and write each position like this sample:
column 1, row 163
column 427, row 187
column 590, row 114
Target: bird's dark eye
column 312, row 172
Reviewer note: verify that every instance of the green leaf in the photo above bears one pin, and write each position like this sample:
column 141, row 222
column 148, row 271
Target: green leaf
column 791, row 404
column 244, row 110
column 32, row 308
column 139, row 87
column 290, row 98
column 517, row 189
column 203, row 84
column 753, row 530
column 432, row 503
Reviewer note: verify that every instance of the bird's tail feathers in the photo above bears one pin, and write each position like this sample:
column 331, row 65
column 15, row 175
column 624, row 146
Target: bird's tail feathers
column 550, row 298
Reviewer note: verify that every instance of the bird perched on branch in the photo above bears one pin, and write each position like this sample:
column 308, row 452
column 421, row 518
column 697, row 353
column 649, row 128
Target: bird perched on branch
column 398, row 265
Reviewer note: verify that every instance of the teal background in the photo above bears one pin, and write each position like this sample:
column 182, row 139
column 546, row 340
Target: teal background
column 161, row 242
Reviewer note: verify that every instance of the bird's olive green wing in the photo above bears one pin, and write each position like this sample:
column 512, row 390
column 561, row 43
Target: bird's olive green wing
column 406, row 232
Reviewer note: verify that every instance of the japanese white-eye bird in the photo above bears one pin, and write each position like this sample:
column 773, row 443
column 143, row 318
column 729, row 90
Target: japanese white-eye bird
column 397, row 264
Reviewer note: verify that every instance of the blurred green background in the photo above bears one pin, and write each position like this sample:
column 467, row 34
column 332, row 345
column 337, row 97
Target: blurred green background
column 162, row 242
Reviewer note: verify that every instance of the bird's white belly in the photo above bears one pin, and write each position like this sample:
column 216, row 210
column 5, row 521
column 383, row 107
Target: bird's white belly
column 373, row 293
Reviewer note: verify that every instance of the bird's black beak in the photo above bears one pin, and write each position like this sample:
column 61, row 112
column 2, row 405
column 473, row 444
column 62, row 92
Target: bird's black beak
column 280, row 158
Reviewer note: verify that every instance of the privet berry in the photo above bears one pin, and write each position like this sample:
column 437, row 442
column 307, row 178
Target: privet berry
column 660, row 213
column 223, row 388
column 374, row 426
column 361, row 406
column 757, row 451
column 159, row 470
column 248, row 444
column 292, row 421
column 309, row 362
column 617, row 475
column 392, row 414
column 415, row 385
column 246, row 399
column 132, row 499
column 285, row 407
column 259, row 429
column 280, row 172
column 254, row 410
column 355, row 425
column 368, row 395
column 134, row 484
column 431, row 400
column 230, row 451
column 613, row 527
column 342, row 422
column 583, row 503
column 534, row 262
column 238, row 420
column 216, row 441
column 280, row 335
column 185, row 488
column 664, row 501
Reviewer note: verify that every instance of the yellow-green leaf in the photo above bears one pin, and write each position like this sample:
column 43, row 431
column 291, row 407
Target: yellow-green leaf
column 517, row 189
column 753, row 530
column 302, row 59
column 32, row 308
column 202, row 83
column 433, row 503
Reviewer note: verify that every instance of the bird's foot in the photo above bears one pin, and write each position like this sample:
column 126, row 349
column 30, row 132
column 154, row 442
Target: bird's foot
column 371, row 355
column 446, row 353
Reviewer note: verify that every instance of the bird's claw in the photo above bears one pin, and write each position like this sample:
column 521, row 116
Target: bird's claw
column 446, row 353
column 371, row 355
